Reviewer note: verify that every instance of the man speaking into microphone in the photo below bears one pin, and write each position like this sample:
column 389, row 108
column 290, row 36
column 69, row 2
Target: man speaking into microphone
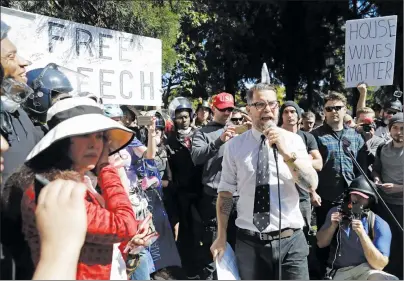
column 249, row 168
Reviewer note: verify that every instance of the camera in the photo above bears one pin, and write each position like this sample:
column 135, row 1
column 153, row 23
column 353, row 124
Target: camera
column 367, row 128
column 350, row 210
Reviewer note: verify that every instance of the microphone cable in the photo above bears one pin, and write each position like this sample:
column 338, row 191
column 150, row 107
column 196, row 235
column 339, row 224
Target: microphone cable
column 275, row 150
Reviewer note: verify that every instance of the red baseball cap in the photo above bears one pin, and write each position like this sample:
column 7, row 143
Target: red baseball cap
column 360, row 194
column 223, row 100
column 368, row 120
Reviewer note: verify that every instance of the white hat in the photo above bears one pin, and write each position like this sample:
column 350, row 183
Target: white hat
column 80, row 116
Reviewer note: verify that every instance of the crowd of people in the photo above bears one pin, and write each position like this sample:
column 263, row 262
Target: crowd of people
column 100, row 191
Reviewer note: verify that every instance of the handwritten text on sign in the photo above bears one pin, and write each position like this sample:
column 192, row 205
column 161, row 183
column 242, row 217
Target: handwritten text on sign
column 370, row 46
column 122, row 68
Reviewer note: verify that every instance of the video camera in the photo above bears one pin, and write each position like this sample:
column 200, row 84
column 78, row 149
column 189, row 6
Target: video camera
column 350, row 210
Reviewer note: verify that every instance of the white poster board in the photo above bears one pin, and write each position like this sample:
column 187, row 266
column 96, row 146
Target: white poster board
column 370, row 46
column 122, row 68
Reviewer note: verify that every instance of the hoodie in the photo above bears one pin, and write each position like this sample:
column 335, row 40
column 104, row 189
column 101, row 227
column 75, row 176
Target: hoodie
column 207, row 150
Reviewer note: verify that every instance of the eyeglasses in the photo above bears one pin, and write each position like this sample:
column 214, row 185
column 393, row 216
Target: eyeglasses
column 260, row 105
column 332, row 108
column 229, row 109
column 391, row 112
column 236, row 119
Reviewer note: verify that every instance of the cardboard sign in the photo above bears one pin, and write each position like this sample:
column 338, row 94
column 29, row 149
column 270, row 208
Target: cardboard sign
column 370, row 46
column 122, row 68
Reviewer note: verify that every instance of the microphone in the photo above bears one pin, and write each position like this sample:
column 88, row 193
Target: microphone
column 346, row 143
column 268, row 125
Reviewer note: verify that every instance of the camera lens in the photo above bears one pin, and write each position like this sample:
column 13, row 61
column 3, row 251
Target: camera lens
column 366, row 128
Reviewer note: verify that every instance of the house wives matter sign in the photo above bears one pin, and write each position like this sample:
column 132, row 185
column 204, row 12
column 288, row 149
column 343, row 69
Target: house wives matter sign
column 122, row 68
column 370, row 46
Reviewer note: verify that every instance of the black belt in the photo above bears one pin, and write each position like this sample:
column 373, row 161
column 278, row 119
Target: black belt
column 273, row 235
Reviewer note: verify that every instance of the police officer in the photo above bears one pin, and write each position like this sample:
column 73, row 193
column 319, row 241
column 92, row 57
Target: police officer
column 50, row 84
column 22, row 136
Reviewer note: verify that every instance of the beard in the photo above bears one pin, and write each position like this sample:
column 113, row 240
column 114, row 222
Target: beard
column 398, row 138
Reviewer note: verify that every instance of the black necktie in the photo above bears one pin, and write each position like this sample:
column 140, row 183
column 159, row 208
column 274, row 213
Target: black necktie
column 261, row 199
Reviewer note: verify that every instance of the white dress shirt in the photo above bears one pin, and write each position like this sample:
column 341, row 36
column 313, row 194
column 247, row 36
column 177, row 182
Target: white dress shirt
column 238, row 175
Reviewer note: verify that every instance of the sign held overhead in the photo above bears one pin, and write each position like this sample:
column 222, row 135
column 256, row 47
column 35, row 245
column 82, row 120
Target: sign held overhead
column 370, row 46
column 122, row 68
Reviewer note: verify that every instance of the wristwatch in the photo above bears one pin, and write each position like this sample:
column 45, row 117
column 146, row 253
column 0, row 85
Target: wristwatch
column 292, row 158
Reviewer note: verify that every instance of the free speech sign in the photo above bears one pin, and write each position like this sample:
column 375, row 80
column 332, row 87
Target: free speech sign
column 370, row 46
column 122, row 68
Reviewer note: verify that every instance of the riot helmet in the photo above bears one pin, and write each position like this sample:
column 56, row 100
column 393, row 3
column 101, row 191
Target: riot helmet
column 113, row 111
column 361, row 185
column 395, row 104
column 180, row 103
column 50, row 84
column 203, row 104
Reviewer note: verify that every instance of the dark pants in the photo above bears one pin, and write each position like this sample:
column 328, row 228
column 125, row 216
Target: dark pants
column 305, row 209
column 395, row 265
column 206, row 209
column 258, row 260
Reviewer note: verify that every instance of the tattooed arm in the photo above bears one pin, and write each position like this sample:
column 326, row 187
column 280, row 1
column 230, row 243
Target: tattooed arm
column 302, row 169
column 224, row 204
column 303, row 173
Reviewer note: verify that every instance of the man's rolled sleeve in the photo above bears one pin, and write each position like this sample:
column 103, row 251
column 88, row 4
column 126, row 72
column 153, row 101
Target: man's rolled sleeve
column 228, row 180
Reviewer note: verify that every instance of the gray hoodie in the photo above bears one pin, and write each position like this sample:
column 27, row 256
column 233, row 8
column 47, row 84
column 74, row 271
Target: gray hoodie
column 207, row 150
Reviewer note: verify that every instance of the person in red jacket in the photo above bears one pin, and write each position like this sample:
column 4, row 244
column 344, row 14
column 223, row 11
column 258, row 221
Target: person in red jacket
column 79, row 142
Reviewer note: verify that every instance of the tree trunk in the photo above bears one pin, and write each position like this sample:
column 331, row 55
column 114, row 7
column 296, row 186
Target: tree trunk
column 309, row 91
column 290, row 91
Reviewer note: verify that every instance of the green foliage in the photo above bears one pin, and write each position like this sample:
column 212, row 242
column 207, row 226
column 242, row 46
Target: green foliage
column 153, row 18
column 224, row 43
column 210, row 46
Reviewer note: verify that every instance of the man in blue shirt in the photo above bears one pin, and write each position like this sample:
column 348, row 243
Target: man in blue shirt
column 359, row 240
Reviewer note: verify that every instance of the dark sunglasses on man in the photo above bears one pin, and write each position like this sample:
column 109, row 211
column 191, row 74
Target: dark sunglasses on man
column 236, row 119
column 332, row 108
column 229, row 109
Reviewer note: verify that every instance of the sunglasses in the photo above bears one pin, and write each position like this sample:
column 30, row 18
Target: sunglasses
column 332, row 108
column 229, row 109
column 236, row 119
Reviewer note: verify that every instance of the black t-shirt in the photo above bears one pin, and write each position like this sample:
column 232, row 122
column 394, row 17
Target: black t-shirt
column 311, row 144
column 309, row 140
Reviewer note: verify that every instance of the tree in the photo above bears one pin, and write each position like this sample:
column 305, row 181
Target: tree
column 153, row 18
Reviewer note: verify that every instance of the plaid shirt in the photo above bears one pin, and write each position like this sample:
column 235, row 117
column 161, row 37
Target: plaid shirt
column 338, row 168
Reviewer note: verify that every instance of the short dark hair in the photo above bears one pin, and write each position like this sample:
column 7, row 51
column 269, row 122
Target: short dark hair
column 335, row 96
column 258, row 87
column 308, row 114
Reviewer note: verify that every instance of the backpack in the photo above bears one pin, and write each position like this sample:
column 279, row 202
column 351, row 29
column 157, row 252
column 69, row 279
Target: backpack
column 371, row 225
